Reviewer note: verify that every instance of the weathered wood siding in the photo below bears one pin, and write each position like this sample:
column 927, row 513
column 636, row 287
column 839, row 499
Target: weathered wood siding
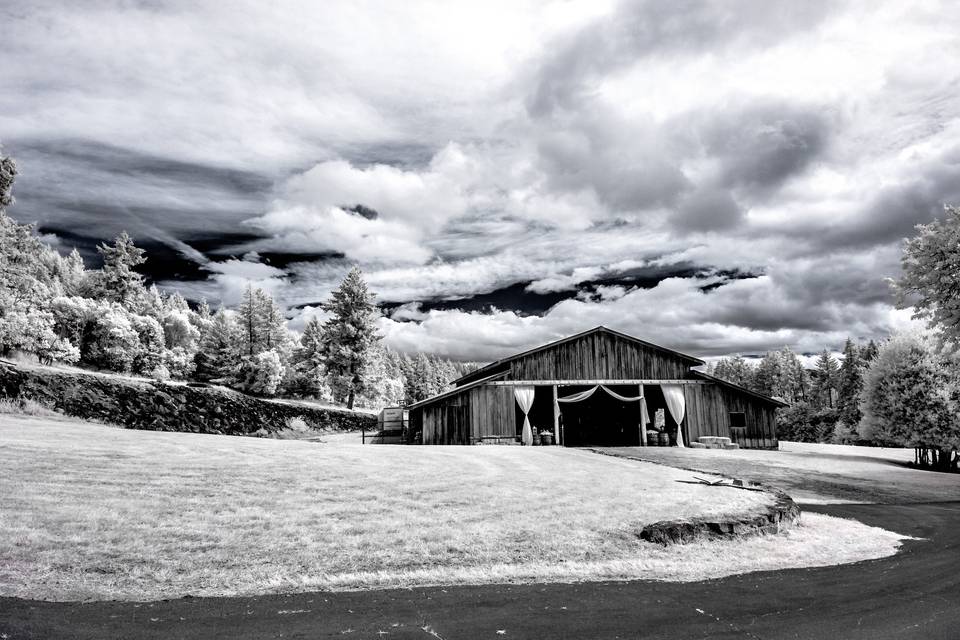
column 492, row 412
column 708, row 414
column 466, row 417
column 599, row 355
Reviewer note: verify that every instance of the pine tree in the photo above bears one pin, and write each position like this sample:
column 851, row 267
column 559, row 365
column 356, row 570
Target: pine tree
column 8, row 172
column 216, row 356
column 309, row 368
column 419, row 379
column 349, row 336
column 249, row 323
column 869, row 352
column 825, row 385
column 117, row 281
column 849, row 386
column 768, row 374
column 273, row 324
column 794, row 380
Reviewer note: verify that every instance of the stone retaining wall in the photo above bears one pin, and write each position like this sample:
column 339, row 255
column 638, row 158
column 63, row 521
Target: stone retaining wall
column 782, row 514
column 166, row 406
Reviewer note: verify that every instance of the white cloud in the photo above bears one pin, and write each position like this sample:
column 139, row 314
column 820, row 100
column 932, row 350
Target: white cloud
column 544, row 143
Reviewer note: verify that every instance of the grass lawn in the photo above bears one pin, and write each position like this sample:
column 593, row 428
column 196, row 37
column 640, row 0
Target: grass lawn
column 819, row 473
column 96, row 512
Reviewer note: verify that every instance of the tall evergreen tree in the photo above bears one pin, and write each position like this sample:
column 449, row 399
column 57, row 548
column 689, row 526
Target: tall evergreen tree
column 869, row 352
column 8, row 173
column 419, row 379
column 794, row 380
column 849, row 386
column 309, row 363
column 768, row 374
column 217, row 356
column 117, row 280
column 349, row 336
column 250, row 323
column 825, row 385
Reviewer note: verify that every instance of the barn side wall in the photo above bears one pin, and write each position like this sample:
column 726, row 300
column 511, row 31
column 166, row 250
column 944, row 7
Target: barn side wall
column 708, row 414
column 599, row 355
column 467, row 417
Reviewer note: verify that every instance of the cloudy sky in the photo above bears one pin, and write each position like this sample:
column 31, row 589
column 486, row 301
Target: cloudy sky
column 719, row 177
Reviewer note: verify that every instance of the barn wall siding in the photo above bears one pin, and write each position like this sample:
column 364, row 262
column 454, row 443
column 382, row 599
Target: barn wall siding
column 708, row 414
column 599, row 355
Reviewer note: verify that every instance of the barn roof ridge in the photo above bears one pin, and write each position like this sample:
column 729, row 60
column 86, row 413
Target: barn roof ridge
column 596, row 329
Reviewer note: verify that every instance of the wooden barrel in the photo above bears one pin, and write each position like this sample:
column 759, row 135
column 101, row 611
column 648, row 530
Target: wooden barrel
column 664, row 439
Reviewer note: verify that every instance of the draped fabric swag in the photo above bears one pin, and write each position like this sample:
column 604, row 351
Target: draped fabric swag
column 673, row 395
column 583, row 395
column 524, row 397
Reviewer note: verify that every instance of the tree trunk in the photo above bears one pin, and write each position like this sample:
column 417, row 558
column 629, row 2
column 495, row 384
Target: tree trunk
column 350, row 400
column 943, row 459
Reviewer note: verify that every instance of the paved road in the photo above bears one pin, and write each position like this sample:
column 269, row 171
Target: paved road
column 915, row 594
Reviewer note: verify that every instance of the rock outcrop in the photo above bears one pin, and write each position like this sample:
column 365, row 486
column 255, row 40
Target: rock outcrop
column 167, row 406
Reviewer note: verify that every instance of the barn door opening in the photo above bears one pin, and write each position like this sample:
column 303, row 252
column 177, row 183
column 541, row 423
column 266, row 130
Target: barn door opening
column 541, row 412
column 600, row 420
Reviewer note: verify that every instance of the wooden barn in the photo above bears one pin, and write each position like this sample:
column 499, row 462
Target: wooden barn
column 600, row 388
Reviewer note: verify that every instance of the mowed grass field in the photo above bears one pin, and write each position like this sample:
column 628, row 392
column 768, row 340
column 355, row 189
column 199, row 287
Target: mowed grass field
column 95, row 512
column 818, row 473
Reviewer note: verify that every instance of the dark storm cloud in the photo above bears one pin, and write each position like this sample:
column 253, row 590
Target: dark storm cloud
column 707, row 210
column 628, row 166
column 764, row 143
column 98, row 190
column 647, row 28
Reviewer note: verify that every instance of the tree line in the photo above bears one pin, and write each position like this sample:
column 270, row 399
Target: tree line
column 824, row 401
column 57, row 310
column 902, row 392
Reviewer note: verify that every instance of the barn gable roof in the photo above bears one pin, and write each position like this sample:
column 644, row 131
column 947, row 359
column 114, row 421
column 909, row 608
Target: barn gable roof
column 454, row 391
column 501, row 364
column 738, row 388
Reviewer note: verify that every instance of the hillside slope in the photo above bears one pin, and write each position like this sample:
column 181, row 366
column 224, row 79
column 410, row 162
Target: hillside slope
column 166, row 406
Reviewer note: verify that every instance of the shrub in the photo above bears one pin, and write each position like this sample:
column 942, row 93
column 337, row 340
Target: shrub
column 260, row 374
column 26, row 407
column 178, row 362
column 111, row 342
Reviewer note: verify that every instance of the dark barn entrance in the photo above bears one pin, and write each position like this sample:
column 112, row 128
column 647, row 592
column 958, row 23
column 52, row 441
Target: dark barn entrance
column 600, row 420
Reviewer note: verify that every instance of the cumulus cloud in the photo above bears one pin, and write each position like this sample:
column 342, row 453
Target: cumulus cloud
column 720, row 176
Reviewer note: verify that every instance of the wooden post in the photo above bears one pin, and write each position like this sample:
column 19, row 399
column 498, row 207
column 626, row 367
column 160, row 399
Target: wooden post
column 556, row 417
column 643, row 427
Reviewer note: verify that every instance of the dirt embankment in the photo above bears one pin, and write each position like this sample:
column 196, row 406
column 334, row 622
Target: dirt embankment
column 164, row 406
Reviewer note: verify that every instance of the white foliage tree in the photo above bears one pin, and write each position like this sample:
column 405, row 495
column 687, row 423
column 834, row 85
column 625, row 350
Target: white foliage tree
column 910, row 399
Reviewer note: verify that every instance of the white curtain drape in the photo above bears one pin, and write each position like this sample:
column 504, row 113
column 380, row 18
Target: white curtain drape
column 583, row 395
column 524, row 397
column 578, row 397
column 673, row 395
column 620, row 397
